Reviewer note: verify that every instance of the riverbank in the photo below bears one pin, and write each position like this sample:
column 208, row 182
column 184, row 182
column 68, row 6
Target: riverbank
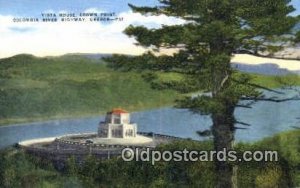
column 81, row 115
column 40, row 89
column 163, row 100
column 270, row 119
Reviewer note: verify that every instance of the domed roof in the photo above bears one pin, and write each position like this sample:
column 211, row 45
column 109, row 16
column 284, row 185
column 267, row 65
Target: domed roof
column 118, row 111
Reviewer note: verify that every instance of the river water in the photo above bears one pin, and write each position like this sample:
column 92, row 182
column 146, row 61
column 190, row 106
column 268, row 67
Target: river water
column 266, row 119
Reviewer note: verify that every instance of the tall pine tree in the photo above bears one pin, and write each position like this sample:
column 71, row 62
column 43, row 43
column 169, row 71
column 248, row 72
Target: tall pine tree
column 214, row 30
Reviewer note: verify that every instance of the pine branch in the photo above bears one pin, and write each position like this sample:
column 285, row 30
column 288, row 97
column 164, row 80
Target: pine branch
column 271, row 99
column 258, row 86
column 144, row 10
column 242, row 123
column 243, row 106
column 240, row 128
column 204, row 133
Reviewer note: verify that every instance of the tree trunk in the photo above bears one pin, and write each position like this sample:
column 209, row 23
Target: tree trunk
column 223, row 132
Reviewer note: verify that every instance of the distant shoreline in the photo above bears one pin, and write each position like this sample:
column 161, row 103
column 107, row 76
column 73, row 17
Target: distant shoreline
column 21, row 121
column 71, row 87
column 289, row 64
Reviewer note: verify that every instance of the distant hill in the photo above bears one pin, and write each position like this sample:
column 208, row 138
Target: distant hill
column 267, row 69
column 87, row 55
column 34, row 88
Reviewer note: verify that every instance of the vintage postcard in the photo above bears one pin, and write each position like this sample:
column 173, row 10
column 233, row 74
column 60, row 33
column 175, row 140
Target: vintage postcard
column 150, row 93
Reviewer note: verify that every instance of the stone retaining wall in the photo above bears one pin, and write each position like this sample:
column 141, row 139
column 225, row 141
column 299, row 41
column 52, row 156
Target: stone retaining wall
column 61, row 148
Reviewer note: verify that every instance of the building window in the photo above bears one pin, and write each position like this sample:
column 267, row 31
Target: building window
column 129, row 133
column 103, row 133
column 117, row 133
column 117, row 120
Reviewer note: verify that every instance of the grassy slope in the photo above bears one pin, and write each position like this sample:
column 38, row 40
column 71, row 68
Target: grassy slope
column 33, row 89
column 276, row 81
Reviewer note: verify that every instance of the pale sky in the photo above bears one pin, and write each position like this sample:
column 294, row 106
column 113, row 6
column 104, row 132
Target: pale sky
column 44, row 39
column 48, row 39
